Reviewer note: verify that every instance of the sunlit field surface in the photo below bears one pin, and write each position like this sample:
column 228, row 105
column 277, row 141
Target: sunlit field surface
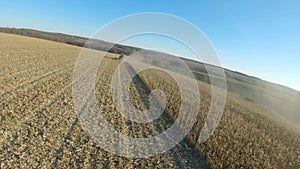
column 39, row 127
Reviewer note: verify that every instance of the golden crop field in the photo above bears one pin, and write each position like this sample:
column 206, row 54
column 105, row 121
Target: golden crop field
column 39, row 127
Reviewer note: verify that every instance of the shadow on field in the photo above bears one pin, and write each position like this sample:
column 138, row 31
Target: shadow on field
column 183, row 154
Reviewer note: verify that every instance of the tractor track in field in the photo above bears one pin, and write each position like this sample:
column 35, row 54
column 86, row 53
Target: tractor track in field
column 11, row 79
column 32, row 82
column 37, row 92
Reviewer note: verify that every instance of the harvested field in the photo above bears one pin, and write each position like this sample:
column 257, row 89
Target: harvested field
column 39, row 128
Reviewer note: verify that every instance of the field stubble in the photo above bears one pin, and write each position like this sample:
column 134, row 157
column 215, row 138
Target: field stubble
column 249, row 136
column 39, row 127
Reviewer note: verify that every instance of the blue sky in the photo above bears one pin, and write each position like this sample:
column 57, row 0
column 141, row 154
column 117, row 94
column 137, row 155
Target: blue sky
column 259, row 38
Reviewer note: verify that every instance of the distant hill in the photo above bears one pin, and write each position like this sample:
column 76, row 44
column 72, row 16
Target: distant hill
column 72, row 40
column 281, row 99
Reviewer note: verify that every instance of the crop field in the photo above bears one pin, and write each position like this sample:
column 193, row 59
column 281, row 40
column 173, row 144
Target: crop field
column 39, row 127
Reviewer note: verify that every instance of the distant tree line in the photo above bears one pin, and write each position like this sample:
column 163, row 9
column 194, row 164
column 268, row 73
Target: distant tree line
column 73, row 40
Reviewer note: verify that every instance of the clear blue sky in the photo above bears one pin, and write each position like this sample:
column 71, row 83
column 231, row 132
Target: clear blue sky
column 260, row 38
